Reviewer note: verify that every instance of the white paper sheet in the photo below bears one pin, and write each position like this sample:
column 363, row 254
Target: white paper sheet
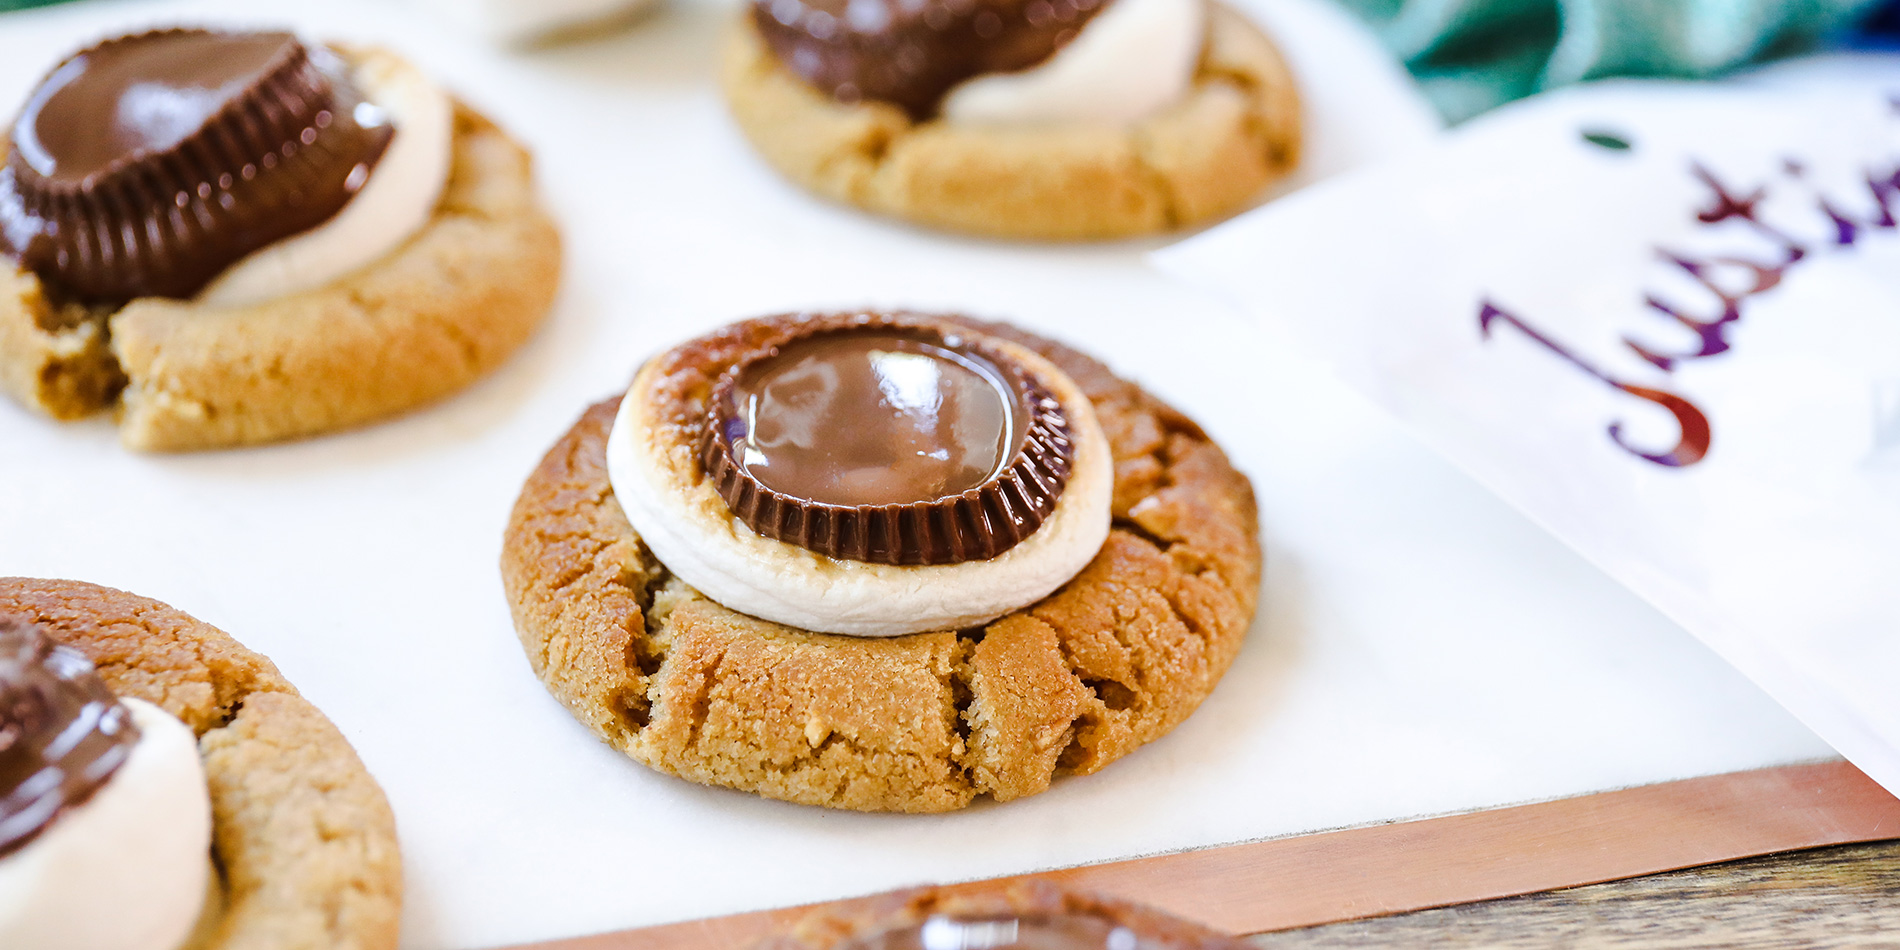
column 1660, row 318
column 1421, row 648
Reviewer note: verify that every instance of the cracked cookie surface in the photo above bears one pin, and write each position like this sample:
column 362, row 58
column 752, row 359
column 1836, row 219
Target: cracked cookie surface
column 920, row 723
column 443, row 308
column 1206, row 156
column 304, row 840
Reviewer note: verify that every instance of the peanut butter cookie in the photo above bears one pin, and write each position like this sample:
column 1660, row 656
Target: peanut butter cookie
column 1206, row 156
column 443, row 309
column 304, row 840
column 918, row 723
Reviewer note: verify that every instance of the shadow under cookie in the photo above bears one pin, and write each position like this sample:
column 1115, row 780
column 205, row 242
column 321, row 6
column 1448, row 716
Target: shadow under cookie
column 920, row 723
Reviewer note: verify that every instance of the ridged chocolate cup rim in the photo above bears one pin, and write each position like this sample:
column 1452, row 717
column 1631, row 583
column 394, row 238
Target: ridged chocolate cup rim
column 274, row 77
column 912, row 54
column 977, row 524
column 277, row 157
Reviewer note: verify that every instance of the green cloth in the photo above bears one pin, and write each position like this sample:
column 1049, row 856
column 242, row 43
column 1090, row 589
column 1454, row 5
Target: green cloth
column 1471, row 55
column 6, row 5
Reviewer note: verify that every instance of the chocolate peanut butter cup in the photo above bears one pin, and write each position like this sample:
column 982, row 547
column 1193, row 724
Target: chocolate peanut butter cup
column 887, row 442
column 911, row 53
column 1032, row 915
column 1049, row 932
column 147, row 165
column 62, row 733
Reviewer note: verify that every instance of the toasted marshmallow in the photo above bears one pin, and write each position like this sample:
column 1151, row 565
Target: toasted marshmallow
column 396, row 200
column 686, row 524
column 126, row 869
column 1132, row 59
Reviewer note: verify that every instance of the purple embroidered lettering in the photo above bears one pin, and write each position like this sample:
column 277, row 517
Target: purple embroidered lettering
column 1724, row 206
column 1711, row 333
column 1692, row 424
column 1885, row 191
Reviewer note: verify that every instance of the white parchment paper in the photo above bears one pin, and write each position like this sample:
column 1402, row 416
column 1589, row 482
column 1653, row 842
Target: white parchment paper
column 1421, row 648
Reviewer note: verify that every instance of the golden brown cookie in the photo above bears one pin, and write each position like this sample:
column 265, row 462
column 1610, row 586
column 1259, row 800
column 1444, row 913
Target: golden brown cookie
column 441, row 310
column 1036, row 914
column 304, row 840
column 919, row 723
column 1207, row 156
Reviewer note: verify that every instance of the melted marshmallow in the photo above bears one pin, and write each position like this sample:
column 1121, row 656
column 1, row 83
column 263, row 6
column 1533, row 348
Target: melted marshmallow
column 1130, row 60
column 127, row 870
column 685, row 523
column 398, row 198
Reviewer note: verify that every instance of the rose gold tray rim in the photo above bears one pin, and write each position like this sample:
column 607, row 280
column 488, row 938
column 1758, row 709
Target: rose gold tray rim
column 1373, row 870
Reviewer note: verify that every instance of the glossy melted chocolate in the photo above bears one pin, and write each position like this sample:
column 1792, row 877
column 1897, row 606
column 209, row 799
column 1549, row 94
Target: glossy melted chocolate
column 875, row 419
column 885, row 441
column 1064, row 932
column 146, row 165
column 911, row 53
column 62, row 733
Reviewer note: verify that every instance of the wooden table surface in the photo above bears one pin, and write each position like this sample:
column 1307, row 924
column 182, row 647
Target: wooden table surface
column 1844, row 896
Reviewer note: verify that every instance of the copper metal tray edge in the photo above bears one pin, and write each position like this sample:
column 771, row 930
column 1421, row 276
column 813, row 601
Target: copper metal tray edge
column 1369, row 871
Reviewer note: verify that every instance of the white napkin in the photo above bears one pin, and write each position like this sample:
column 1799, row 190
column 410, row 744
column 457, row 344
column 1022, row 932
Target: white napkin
column 1663, row 319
